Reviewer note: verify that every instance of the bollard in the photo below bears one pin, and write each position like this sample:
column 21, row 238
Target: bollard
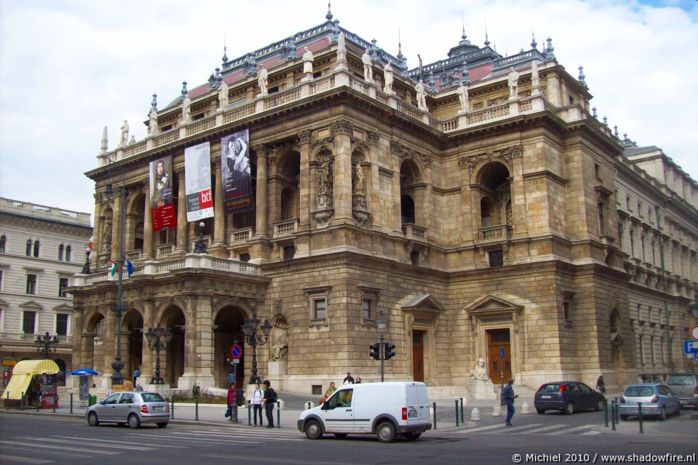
column 7, row 402
column 434, row 415
column 21, row 402
column 38, row 402
column 457, row 412
column 196, row 408
column 605, row 413
column 613, row 415
column 55, row 402
column 71, row 403
column 278, row 414
column 249, row 415
column 462, row 418
column 639, row 416
column 172, row 409
column 617, row 411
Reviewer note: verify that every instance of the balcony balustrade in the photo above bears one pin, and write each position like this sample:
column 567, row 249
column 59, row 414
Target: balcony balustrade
column 494, row 233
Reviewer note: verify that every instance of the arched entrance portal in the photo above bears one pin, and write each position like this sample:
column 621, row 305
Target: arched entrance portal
column 227, row 330
column 173, row 361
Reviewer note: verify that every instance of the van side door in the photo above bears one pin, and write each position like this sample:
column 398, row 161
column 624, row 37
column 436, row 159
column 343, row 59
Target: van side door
column 338, row 412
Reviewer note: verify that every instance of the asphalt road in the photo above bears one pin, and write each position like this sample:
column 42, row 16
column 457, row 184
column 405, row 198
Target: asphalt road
column 27, row 438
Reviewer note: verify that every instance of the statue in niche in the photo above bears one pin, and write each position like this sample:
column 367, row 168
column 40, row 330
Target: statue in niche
column 325, row 181
column 279, row 347
column 358, row 178
column 263, row 80
column 479, row 372
column 368, row 66
column 106, row 237
column 124, row 134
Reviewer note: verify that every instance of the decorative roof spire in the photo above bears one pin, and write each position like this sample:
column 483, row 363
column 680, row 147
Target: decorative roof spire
column 581, row 77
column 329, row 12
column 534, row 44
column 487, row 40
column 184, row 89
column 154, row 102
column 399, row 44
column 593, row 112
column 615, row 130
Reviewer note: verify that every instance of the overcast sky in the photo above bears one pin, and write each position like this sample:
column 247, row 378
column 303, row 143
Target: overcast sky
column 68, row 68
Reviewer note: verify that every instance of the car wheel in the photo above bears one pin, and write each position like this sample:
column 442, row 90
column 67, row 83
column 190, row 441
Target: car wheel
column 340, row 435
column 412, row 436
column 162, row 425
column 662, row 416
column 569, row 409
column 133, row 421
column 92, row 419
column 540, row 411
column 313, row 430
column 599, row 405
column 386, row 432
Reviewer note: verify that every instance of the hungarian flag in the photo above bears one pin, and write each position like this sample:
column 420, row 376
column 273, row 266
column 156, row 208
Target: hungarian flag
column 113, row 267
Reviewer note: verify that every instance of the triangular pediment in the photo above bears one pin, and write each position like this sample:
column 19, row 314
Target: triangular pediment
column 31, row 305
column 423, row 303
column 63, row 308
column 492, row 304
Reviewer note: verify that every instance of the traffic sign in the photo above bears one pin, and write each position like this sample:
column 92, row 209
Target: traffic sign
column 236, row 352
column 694, row 333
column 690, row 347
column 501, row 352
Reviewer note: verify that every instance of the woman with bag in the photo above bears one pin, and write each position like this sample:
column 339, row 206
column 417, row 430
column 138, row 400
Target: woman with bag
column 231, row 402
column 257, row 401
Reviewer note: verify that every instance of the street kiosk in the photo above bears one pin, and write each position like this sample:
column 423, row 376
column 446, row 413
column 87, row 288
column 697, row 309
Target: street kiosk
column 40, row 374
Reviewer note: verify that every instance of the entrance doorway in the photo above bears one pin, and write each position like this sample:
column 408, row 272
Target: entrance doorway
column 418, row 355
column 498, row 343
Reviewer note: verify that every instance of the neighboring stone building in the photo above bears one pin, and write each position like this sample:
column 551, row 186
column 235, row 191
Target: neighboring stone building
column 488, row 221
column 41, row 248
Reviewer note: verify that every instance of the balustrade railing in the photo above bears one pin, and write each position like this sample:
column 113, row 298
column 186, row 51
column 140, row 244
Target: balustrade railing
column 286, row 227
column 494, row 233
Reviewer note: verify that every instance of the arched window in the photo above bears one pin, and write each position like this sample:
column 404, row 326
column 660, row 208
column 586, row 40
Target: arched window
column 29, row 248
column 36, row 248
column 60, row 252
column 68, row 251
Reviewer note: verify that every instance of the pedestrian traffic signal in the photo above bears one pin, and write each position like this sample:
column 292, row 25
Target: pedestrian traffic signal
column 389, row 351
column 376, row 351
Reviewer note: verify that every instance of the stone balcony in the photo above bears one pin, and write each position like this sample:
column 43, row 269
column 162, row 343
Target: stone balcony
column 414, row 232
column 493, row 234
column 285, row 228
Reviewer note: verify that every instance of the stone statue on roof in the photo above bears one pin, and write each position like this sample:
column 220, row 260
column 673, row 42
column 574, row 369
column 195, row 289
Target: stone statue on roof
column 535, row 78
column 186, row 109
column 263, row 80
column 308, row 61
column 368, row 66
column 421, row 96
column 223, row 94
column 152, row 122
column 463, row 98
column 341, row 48
column 388, row 74
column 513, row 84
column 124, row 134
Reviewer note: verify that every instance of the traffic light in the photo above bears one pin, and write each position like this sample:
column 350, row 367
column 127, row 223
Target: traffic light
column 376, row 351
column 389, row 351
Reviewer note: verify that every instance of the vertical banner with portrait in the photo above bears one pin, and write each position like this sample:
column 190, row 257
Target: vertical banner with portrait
column 235, row 163
column 162, row 210
column 197, row 177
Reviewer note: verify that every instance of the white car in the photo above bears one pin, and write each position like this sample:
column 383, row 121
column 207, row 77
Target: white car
column 384, row 409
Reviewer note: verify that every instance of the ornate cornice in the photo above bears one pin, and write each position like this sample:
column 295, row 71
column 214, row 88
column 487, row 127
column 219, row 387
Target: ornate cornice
column 507, row 155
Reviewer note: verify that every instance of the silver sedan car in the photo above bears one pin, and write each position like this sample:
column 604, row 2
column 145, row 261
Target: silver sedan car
column 130, row 407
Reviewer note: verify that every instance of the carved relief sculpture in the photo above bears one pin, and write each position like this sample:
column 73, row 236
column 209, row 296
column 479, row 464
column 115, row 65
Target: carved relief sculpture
column 479, row 372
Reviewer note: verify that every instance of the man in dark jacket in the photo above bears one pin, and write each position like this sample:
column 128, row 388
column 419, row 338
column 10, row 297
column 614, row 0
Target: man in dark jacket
column 270, row 399
column 508, row 394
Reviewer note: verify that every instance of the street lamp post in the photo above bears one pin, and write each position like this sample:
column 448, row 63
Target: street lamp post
column 155, row 338
column 250, row 328
column 117, row 378
column 45, row 342
column 200, row 244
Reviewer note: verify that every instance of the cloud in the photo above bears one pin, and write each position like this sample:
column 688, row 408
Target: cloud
column 69, row 68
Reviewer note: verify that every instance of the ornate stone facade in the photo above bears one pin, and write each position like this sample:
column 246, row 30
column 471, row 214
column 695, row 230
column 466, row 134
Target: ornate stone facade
column 469, row 232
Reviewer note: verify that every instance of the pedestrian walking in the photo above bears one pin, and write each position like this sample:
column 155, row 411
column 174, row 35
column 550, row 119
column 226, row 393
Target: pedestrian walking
column 601, row 385
column 231, row 403
column 231, row 370
column 270, row 399
column 509, row 396
column 136, row 375
column 348, row 379
column 257, row 401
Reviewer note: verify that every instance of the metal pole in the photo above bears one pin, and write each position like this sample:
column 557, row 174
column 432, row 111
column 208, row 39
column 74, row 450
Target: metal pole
column 278, row 414
column 382, row 356
column 613, row 415
column 457, row 424
column 71, row 403
column 21, row 401
column 434, row 415
column 605, row 413
column 117, row 365
column 249, row 416
column 172, row 409
column 639, row 416
column 196, row 408
column 617, row 411
column 462, row 418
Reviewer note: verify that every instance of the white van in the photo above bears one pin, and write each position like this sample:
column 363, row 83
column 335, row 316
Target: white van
column 384, row 409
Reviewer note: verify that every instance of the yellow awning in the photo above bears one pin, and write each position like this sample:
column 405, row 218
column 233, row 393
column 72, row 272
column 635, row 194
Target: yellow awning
column 22, row 376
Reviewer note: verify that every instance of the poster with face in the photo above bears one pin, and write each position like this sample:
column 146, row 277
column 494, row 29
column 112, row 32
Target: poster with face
column 162, row 209
column 197, row 177
column 235, row 172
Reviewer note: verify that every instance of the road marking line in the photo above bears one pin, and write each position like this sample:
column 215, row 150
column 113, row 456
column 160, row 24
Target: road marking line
column 572, row 430
column 481, row 428
column 16, row 458
column 108, row 445
column 540, row 430
column 31, row 445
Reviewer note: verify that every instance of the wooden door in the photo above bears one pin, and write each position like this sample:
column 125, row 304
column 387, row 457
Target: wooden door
column 499, row 369
column 418, row 355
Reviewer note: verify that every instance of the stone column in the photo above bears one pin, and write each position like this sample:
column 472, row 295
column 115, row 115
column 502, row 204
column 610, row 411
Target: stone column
column 304, row 183
column 219, row 210
column 261, row 217
column 147, row 226
column 181, row 214
column 342, row 171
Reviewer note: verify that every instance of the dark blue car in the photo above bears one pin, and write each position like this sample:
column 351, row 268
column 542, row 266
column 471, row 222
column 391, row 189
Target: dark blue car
column 567, row 397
